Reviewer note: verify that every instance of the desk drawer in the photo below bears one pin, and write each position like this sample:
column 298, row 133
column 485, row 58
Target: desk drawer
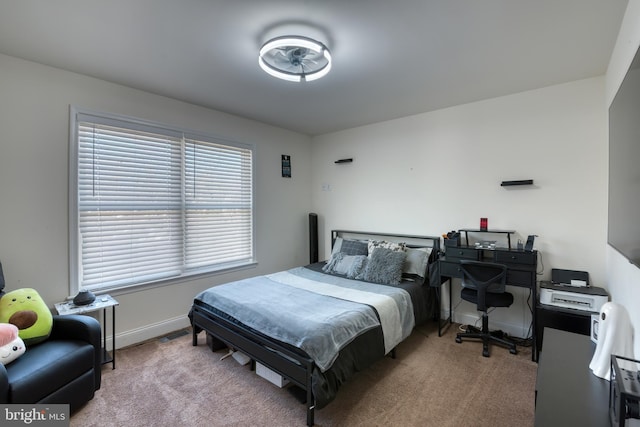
column 520, row 278
column 515, row 257
column 450, row 269
column 462, row 253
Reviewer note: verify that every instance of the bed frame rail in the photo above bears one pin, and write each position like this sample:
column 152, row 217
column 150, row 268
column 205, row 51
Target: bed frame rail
column 292, row 366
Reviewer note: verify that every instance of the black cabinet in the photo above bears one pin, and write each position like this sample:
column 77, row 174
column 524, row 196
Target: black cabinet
column 567, row 392
column 565, row 319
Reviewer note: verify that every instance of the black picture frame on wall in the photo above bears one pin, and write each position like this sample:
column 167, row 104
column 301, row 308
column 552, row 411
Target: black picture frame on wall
column 286, row 166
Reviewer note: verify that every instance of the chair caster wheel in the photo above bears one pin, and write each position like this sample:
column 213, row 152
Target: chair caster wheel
column 458, row 340
column 513, row 351
column 485, row 353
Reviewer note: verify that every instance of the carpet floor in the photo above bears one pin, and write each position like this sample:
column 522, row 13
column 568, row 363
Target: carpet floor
column 432, row 382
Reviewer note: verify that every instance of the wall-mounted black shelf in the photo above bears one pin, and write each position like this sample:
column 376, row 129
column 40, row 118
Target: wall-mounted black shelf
column 518, row 182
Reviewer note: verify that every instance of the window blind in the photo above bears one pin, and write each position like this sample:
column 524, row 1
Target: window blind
column 154, row 203
column 218, row 198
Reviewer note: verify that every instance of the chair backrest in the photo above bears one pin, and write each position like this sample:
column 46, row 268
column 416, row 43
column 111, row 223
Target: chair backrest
column 484, row 277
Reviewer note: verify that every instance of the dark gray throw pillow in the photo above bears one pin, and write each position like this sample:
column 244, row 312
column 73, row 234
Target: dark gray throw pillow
column 354, row 247
column 385, row 266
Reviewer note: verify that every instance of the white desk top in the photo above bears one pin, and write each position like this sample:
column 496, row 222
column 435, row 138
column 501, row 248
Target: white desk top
column 102, row 301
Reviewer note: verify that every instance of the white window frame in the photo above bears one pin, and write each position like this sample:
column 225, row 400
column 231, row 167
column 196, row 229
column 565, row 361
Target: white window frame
column 75, row 246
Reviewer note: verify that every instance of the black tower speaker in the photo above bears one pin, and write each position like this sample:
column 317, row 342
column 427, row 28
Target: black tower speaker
column 313, row 238
column 1, row 280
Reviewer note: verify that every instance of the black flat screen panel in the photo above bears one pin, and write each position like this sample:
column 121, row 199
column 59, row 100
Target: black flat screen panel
column 624, row 166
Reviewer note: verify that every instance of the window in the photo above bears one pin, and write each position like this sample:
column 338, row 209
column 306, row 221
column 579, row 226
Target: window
column 150, row 203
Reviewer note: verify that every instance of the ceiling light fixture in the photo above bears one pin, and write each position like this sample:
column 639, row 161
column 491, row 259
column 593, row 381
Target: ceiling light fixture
column 295, row 58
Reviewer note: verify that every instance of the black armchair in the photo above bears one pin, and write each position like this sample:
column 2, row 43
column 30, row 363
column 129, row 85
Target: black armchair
column 66, row 368
column 484, row 284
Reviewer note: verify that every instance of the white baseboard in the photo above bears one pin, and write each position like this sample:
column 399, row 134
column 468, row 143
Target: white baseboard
column 468, row 319
column 476, row 320
column 147, row 332
column 154, row 330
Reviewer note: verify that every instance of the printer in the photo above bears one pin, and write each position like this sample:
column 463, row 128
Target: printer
column 570, row 289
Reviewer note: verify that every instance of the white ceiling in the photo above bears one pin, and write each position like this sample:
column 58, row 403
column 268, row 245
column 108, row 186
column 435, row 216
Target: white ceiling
column 392, row 58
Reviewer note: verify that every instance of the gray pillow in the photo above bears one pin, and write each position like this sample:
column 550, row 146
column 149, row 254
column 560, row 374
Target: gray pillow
column 354, row 247
column 384, row 266
column 348, row 265
column 358, row 266
column 416, row 262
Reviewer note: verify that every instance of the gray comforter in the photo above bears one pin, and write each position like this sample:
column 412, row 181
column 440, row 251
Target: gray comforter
column 315, row 312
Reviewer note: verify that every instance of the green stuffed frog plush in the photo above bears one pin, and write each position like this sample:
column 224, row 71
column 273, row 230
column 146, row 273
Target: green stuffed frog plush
column 26, row 309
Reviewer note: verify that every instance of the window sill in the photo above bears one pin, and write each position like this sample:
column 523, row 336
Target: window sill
column 127, row 289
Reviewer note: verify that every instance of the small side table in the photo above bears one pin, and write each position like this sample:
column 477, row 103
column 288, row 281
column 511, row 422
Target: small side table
column 101, row 302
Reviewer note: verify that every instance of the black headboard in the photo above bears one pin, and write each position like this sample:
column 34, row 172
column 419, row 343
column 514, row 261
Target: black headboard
column 412, row 240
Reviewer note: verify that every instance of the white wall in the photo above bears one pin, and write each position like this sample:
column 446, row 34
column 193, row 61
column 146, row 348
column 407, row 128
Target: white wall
column 425, row 174
column 438, row 171
column 623, row 278
column 34, row 141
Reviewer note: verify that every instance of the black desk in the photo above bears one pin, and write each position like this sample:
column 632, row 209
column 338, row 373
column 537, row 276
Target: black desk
column 567, row 392
column 521, row 272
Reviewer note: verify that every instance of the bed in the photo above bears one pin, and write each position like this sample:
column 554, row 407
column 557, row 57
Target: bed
column 319, row 324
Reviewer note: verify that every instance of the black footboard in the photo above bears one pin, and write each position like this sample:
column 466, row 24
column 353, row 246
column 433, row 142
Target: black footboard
column 294, row 367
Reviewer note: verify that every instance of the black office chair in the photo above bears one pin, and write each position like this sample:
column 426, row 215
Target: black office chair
column 484, row 284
